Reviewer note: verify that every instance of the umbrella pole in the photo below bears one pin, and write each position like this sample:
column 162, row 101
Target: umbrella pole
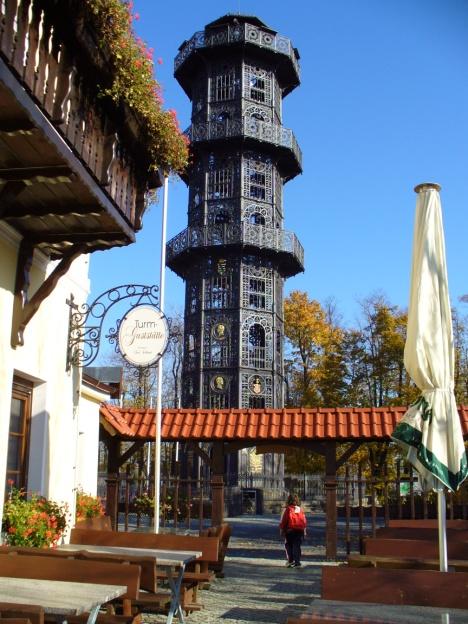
column 441, row 514
column 442, row 521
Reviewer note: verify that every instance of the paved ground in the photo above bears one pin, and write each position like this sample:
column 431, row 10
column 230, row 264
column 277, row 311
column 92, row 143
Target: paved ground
column 257, row 586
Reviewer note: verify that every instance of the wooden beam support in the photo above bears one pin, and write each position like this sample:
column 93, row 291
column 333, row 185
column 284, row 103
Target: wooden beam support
column 200, row 453
column 347, row 454
column 23, row 307
column 136, row 446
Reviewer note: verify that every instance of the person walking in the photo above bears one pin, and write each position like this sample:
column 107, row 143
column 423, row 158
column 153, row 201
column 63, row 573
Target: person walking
column 293, row 528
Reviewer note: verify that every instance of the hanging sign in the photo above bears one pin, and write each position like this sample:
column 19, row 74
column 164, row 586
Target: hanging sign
column 143, row 335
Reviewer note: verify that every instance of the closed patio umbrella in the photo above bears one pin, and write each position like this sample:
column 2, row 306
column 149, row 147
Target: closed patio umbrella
column 430, row 431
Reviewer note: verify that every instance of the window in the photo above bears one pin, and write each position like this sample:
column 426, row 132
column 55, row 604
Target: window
column 223, row 86
column 18, row 440
column 257, row 219
column 257, row 289
column 257, row 179
column 220, row 183
column 218, row 292
column 257, row 84
column 256, row 346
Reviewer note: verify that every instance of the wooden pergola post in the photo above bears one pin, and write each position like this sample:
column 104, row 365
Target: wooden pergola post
column 330, row 508
column 217, row 484
column 112, row 481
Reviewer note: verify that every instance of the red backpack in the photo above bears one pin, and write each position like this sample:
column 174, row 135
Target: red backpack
column 296, row 518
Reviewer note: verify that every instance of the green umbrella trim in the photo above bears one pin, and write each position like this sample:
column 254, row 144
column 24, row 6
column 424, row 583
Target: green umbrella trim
column 413, row 437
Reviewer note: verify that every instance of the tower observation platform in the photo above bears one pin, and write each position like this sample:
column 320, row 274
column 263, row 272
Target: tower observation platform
column 234, row 254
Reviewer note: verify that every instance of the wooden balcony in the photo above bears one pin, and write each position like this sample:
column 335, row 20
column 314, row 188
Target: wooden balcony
column 74, row 170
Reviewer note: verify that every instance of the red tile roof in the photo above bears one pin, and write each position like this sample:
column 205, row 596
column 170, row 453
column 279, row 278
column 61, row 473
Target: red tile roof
column 342, row 423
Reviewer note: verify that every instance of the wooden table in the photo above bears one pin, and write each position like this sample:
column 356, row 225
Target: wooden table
column 170, row 560
column 59, row 598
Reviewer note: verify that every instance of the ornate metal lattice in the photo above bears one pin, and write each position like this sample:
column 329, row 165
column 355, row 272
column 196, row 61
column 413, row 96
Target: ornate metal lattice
column 217, row 352
column 224, row 83
column 257, row 340
column 234, row 253
column 83, row 339
column 257, row 214
column 257, row 287
column 257, row 179
column 257, row 390
column 258, row 84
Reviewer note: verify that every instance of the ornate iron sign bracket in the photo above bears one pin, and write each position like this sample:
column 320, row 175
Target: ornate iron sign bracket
column 84, row 339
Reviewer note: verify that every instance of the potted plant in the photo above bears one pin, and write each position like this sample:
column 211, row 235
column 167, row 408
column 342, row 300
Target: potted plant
column 33, row 521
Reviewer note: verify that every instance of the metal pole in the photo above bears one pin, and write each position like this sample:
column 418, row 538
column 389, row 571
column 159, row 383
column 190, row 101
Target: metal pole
column 441, row 514
column 157, row 450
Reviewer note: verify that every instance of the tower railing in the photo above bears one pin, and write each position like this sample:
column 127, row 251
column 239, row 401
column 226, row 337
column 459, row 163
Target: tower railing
column 238, row 33
column 234, row 234
column 246, row 127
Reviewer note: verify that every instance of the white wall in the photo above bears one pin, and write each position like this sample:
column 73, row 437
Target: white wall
column 88, row 438
column 42, row 360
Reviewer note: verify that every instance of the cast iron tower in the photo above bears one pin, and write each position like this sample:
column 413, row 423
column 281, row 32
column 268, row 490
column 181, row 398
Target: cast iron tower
column 234, row 255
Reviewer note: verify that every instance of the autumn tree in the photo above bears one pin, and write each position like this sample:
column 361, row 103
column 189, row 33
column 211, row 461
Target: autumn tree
column 315, row 365
column 460, row 340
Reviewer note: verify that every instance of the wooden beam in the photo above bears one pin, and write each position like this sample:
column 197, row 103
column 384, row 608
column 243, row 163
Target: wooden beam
column 200, row 452
column 129, row 452
column 37, row 175
column 75, row 237
column 11, row 210
column 330, row 490
column 8, row 193
column 23, row 307
column 347, row 454
column 17, row 127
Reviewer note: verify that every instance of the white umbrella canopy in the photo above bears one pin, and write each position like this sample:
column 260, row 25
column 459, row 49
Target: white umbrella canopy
column 430, row 431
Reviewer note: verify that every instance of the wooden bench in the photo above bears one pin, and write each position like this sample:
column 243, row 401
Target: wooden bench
column 63, row 569
column 33, row 613
column 427, row 523
column 197, row 573
column 374, row 561
column 417, row 549
column 223, row 533
column 459, row 535
column 396, row 587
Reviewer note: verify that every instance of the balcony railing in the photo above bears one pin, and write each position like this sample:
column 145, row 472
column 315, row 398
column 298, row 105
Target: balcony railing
column 246, row 127
column 55, row 57
column 250, row 234
column 239, row 33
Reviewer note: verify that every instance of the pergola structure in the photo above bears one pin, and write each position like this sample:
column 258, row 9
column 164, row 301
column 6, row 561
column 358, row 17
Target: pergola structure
column 270, row 430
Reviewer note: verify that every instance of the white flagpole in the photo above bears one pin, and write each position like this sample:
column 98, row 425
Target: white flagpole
column 162, row 281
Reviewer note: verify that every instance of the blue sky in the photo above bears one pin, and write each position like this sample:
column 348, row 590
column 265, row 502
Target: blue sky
column 382, row 106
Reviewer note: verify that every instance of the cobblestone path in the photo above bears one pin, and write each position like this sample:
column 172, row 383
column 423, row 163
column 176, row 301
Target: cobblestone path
column 257, row 586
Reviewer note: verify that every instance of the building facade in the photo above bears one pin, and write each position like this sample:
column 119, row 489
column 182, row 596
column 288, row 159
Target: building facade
column 73, row 178
column 235, row 255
